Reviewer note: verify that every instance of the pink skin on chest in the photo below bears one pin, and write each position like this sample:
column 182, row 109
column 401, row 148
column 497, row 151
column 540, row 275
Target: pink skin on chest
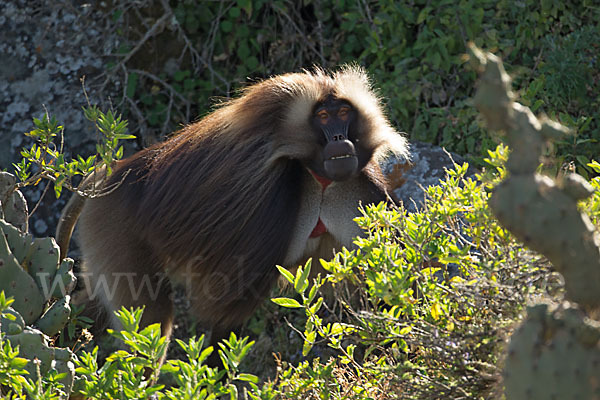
column 320, row 228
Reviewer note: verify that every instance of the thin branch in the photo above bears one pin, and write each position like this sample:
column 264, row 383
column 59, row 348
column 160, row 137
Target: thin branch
column 37, row 204
column 162, row 82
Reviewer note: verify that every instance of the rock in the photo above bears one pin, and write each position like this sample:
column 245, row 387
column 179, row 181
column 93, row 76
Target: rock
column 428, row 166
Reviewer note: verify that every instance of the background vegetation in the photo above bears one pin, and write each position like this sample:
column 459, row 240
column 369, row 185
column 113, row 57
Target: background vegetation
column 423, row 308
column 197, row 52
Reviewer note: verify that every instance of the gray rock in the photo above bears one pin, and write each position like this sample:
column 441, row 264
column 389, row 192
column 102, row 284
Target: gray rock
column 427, row 167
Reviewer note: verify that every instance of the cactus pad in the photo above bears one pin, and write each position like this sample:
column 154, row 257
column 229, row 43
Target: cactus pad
column 16, row 282
column 33, row 275
column 13, row 207
column 34, row 344
column 554, row 355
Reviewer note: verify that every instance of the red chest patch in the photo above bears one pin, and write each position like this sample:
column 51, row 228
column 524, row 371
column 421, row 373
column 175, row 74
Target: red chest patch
column 323, row 181
column 320, row 228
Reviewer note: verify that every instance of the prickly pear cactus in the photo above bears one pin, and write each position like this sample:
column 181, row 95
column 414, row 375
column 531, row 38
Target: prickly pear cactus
column 33, row 343
column 540, row 212
column 13, row 207
column 30, row 272
column 40, row 284
column 555, row 354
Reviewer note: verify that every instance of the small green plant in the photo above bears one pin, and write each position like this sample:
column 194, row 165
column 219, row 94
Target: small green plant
column 12, row 367
column 311, row 304
column 134, row 372
column 124, row 373
column 45, row 158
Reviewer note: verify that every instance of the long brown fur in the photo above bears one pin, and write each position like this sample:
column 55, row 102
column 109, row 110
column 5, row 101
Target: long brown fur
column 218, row 205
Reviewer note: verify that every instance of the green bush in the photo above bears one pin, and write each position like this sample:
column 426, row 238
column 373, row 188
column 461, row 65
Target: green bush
column 412, row 329
column 435, row 293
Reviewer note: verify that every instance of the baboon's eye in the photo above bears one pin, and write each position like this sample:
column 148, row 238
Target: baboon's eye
column 343, row 113
column 323, row 116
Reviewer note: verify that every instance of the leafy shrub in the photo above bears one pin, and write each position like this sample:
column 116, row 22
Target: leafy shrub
column 437, row 292
column 131, row 373
column 45, row 158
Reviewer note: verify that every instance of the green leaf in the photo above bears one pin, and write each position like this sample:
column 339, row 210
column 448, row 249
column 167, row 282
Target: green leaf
column 122, row 136
column 406, row 330
column 423, row 15
column 58, row 187
column 132, row 81
column 10, row 317
column 286, row 302
column 233, row 391
column 243, row 51
column 336, row 329
column 205, row 353
column 286, row 274
column 181, row 75
column 18, row 363
column 309, row 342
column 226, row 26
column 436, row 311
column 583, row 160
column 595, row 165
column 247, row 378
column 252, row 62
column 234, row 12
column 312, row 293
column 317, row 306
column 538, row 103
column 170, row 367
column 301, row 282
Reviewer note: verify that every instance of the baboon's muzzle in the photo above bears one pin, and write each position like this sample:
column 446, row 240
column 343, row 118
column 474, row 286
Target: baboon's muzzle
column 340, row 158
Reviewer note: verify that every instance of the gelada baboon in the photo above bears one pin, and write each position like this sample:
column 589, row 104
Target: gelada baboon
column 270, row 178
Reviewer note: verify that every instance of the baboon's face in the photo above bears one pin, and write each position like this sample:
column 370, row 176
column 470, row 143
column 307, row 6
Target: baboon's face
column 334, row 123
